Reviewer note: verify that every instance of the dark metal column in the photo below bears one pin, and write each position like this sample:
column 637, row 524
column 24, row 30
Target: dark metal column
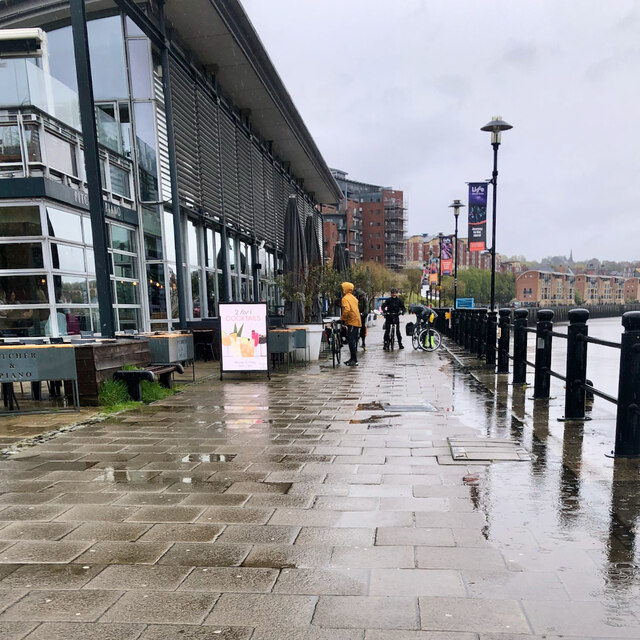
column 92, row 165
column 575, row 396
column 173, row 170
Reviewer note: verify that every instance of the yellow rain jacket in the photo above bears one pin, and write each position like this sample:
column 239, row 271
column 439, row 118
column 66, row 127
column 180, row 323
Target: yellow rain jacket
column 350, row 310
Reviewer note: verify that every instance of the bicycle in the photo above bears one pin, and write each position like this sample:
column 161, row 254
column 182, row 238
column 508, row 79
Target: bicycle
column 393, row 321
column 424, row 336
column 334, row 340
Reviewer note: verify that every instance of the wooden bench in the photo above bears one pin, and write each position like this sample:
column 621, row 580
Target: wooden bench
column 133, row 378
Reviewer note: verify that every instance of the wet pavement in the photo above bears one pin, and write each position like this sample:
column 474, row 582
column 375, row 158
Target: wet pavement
column 301, row 509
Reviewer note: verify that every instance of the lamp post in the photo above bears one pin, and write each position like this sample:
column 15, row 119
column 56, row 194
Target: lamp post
column 456, row 205
column 440, row 270
column 496, row 127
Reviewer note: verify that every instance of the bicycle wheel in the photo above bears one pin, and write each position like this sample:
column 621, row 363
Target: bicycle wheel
column 392, row 337
column 429, row 339
column 336, row 347
column 415, row 338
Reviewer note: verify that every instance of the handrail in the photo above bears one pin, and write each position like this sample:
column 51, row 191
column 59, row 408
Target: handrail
column 471, row 329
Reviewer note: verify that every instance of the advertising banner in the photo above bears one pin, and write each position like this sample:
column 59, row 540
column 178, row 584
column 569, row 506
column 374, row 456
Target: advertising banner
column 243, row 336
column 433, row 271
column 478, row 216
column 446, row 255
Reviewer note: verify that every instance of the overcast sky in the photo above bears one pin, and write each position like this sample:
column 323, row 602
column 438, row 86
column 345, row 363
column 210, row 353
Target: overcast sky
column 395, row 91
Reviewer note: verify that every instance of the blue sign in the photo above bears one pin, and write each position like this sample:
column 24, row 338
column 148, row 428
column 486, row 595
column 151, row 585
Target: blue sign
column 464, row 303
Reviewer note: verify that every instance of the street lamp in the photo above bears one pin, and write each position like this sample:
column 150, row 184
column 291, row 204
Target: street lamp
column 496, row 127
column 456, row 205
column 440, row 269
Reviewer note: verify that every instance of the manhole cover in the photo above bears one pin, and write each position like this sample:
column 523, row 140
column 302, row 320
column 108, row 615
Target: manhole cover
column 476, row 449
column 424, row 406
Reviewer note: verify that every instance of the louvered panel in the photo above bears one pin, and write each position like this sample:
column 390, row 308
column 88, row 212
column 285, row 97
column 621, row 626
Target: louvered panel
column 257, row 170
column 317, row 220
column 281, row 195
column 185, row 127
column 302, row 213
column 270, row 231
column 163, row 139
column 209, row 150
column 245, row 188
column 228, row 157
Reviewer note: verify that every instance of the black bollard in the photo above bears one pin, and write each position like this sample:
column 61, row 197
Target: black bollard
column 520, row 346
column 481, row 331
column 491, row 336
column 542, row 380
column 468, row 335
column 504, row 337
column 628, row 418
column 574, row 397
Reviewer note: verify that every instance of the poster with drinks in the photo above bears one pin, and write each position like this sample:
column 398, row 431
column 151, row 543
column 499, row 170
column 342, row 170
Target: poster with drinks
column 478, row 216
column 243, row 336
column 446, row 255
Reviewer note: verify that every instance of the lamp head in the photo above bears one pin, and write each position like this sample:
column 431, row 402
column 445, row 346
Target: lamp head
column 496, row 127
column 456, row 205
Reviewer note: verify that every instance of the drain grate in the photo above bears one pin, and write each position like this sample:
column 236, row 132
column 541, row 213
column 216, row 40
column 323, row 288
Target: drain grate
column 485, row 450
column 407, row 408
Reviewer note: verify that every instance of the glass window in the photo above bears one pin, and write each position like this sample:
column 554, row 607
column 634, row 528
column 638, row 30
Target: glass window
column 173, row 290
column 73, row 321
column 120, row 181
column 209, row 249
column 157, row 292
column 67, row 258
column 88, row 230
column 32, row 137
column 124, row 266
column 195, row 292
column 128, row 319
column 122, row 239
column 192, row 240
column 23, row 289
column 152, row 234
column 126, row 292
column 107, row 127
column 132, row 28
column 140, row 66
column 211, row 294
column 21, row 256
column 23, row 322
column 106, row 47
column 63, row 225
column 170, row 244
column 10, row 144
column 61, row 154
column 70, row 290
column 91, row 261
column 146, row 145
column 232, row 255
column 20, row 221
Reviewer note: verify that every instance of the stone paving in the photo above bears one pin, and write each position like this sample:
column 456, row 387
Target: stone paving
column 293, row 509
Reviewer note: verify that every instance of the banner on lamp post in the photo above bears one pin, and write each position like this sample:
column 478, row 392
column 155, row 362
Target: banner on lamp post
column 478, row 216
column 446, row 255
column 433, row 271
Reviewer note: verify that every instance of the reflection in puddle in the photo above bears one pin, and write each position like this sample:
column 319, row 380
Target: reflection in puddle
column 112, row 475
column 208, row 457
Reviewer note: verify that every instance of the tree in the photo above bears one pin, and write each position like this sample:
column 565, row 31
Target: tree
column 414, row 281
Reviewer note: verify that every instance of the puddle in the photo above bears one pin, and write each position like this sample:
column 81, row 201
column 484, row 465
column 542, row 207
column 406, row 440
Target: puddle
column 370, row 406
column 374, row 419
column 208, row 457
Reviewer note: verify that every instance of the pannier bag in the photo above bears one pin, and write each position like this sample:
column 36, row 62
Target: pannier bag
column 409, row 328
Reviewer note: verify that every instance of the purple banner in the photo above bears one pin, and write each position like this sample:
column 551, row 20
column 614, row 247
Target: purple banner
column 446, row 255
column 478, row 216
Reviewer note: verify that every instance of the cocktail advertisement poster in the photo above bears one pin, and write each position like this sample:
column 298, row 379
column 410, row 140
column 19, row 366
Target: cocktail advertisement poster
column 243, row 336
column 477, row 216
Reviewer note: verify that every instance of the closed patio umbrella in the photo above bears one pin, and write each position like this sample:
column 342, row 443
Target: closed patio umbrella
column 314, row 258
column 295, row 262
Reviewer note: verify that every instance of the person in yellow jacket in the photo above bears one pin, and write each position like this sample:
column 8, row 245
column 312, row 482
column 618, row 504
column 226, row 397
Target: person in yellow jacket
column 351, row 318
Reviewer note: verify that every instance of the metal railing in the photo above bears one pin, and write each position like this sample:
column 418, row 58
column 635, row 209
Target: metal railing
column 471, row 329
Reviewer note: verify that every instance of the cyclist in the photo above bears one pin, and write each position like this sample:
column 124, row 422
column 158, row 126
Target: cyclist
column 423, row 313
column 351, row 318
column 392, row 307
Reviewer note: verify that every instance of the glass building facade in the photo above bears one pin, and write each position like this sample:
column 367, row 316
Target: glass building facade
column 232, row 190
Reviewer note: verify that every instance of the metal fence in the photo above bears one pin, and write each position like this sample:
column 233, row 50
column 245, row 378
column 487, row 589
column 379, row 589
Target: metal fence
column 472, row 330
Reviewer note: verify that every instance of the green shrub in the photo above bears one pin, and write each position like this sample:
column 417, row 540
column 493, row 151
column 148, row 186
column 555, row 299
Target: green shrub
column 152, row 391
column 130, row 367
column 113, row 396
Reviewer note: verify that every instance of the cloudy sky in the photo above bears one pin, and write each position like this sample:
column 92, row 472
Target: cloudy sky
column 395, row 91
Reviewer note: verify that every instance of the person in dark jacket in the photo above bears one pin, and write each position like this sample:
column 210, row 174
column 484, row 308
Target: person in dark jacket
column 392, row 307
column 363, row 305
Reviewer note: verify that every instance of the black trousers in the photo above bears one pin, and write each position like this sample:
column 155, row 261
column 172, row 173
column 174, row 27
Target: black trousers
column 353, row 334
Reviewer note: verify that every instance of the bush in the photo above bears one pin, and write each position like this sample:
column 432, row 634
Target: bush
column 152, row 391
column 113, row 396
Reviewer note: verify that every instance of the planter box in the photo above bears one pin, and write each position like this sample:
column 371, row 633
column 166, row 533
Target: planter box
column 314, row 338
column 98, row 361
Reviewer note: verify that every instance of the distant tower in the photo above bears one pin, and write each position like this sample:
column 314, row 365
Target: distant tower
column 570, row 262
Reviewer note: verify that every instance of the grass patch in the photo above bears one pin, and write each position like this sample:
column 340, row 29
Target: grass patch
column 114, row 397
column 152, row 391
